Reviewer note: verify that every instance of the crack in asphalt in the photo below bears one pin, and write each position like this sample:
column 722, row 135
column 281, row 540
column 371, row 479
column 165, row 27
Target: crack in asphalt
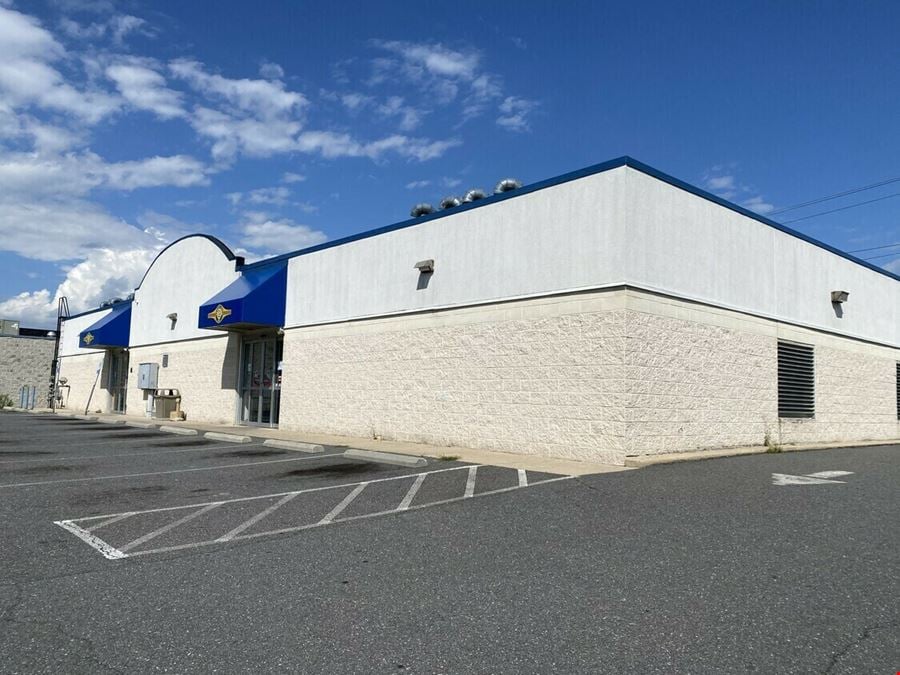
column 860, row 638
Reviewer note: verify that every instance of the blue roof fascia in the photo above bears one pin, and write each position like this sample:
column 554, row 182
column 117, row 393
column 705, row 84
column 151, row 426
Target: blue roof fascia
column 113, row 330
column 97, row 309
column 565, row 178
column 256, row 298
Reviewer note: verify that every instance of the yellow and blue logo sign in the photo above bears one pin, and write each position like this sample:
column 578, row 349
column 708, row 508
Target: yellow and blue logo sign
column 88, row 339
column 219, row 314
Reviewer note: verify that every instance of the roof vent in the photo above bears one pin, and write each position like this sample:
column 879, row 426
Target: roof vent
column 449, row 203
column 506, row 185
column 110, row 302
column 420, row 210
column 474, row 195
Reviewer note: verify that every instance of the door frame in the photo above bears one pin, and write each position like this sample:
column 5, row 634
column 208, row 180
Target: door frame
column 115, row 391
column 268, row 337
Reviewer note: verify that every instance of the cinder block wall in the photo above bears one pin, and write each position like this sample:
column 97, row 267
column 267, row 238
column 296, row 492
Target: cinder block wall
column 204, row 371
column 596, row 377
column 539, row 377
column 80, row 372
column 25, row 361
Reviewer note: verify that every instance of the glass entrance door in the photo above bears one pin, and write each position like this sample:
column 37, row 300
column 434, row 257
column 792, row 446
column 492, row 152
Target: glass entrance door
column 261, row 381
column 118, row 379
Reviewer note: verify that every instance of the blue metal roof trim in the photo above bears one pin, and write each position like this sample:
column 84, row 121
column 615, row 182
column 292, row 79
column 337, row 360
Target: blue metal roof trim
column 94, row 310
column 565, row 178
column 113, row 330
column 255, row 299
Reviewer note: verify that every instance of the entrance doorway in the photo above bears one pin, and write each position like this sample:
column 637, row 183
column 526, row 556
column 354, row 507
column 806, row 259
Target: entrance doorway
column 261, row 380
column 118, row 379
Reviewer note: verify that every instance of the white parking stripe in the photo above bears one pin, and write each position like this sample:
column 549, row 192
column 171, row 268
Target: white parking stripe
column 104, row 523
column 364, row 516
column 165, row 473
column 470, row 481
column 335, row 512
column 108, row 551
column 258, row 517
column 270, row 496
column 165, row 528
column 414, row 488
column 523, row 478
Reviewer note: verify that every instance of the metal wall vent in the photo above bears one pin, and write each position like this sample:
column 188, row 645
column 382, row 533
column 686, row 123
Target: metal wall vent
column 796, row 380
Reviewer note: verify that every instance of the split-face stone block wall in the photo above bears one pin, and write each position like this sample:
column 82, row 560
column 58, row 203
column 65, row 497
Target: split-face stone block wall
column 540, row 377
column 595, row 377
column 25, row 361
column 204, row 371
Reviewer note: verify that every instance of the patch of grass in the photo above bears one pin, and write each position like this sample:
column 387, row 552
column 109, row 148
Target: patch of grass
column 5, row 401
column 771, row 447
column 448, row 458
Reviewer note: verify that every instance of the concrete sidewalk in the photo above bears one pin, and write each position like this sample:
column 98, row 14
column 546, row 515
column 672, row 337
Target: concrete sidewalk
column 474, row 455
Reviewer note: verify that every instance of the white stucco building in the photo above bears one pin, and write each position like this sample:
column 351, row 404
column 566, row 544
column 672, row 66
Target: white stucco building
column 609, row 312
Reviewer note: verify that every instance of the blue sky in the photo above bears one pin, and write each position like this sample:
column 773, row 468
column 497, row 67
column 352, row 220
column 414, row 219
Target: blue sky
column 124, row 125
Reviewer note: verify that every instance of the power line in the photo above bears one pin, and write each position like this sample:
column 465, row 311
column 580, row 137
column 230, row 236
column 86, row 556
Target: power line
column 842, row 208
column 875, row 248
column 836, row 195
column 883, row 255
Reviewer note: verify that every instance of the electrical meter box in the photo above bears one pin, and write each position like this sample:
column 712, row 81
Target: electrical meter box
column 148, row 374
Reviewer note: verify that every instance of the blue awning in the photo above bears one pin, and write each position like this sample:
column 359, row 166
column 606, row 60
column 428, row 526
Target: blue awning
column 113, row 330
column 255, row 300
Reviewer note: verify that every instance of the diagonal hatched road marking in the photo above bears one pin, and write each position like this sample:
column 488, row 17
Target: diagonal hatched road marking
column 84, row 528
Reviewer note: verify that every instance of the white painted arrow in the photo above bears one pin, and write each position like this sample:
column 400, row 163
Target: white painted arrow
column 829, row 474
column 818, row 478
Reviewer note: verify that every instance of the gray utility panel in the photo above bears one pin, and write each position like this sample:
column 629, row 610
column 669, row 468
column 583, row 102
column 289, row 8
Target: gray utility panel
column 148, row 375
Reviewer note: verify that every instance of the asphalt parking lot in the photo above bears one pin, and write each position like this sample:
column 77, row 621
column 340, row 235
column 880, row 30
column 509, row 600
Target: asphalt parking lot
column 131, row 550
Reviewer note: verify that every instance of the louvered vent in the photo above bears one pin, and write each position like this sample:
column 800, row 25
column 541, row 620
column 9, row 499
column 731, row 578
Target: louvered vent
column 898, row 390
column 796, row 380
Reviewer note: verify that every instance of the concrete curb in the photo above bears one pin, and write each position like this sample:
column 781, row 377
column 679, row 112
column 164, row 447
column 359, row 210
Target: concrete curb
column 228, row 438
column 112, row 421
column 140, row 425
column 87, row 418
column 699, row 455
column 178, row 430
column 293, row 445
column 385, row 457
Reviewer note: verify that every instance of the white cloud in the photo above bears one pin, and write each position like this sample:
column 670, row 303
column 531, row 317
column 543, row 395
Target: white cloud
column 409, row 116
column 277, row 236
column 332, row 145
column 146, row 89
column 25, row 176
column 117, row 28
column 354, row 100
column 102, row 275
column 759, row 205
column 721, row 181
column 417, row 184
column 28, row 79
column 435, row 58
column 177, row 170
column 271, row 71
column 514, row 113
column 290, row 177
column 62, row 229
column 265, row 99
